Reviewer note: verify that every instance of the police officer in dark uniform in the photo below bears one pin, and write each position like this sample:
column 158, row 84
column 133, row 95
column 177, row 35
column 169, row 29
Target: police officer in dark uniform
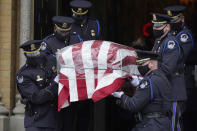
column 61, row 36
column 35, row 82
column 185, row 38
column 178, row 28
column 171, row 63
column 152, row 99
column 88, row 28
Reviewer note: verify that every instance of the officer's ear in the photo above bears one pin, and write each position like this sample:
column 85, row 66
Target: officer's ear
column 153, row 65
column 167, row 28
column 183, row 19
column 55, row 29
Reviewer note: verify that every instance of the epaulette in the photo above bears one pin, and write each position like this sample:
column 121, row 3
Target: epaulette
column 48, row 37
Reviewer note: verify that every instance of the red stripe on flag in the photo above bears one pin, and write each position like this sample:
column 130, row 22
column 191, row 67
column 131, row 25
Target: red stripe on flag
column 80, row 73
column 128, row 60
column 64, row 93
column 107, row 90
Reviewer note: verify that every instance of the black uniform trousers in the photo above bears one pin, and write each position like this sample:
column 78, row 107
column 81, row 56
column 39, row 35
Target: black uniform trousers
column 39, row 129
column 153, row 124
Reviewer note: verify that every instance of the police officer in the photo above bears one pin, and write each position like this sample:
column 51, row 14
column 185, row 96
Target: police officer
column 88, row 28
column 184, row 36
column 35, row 83
column 179, row 29
column 152, row 99
column 171, row 63
column 61, row 36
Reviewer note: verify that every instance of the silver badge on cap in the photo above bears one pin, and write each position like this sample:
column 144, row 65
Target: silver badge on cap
column 184, row 38
column 171, row 44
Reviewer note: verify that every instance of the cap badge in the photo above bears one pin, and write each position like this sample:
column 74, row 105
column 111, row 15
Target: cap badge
column 33, row 47
column 39, row 78
column 64, row 25
column 79, row 10
column 154, row 17
column 169, row 13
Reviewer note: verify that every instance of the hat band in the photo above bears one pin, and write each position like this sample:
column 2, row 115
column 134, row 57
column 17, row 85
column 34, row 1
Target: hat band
column 142, row 60
column 161, row 22
column 80, row 13
column 61, row 29
column 177, row 16
column 31, row 52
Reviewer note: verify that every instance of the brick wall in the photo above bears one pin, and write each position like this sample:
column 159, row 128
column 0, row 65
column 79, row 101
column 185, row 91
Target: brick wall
column 8, row 51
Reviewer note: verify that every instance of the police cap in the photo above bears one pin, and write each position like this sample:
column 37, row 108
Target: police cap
column 175, row 11
column 63, row 23
column 33, row 47
column 80, row 7
column 160, row 19
column 143, row 56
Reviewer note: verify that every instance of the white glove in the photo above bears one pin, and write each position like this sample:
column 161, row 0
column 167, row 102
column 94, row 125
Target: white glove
column 118, row 94
column 136, row 80
column 56, row 79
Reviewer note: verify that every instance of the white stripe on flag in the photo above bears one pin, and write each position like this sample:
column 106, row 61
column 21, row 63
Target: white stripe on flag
column 71, row 74
column 109, row 79
column 88, row 67
column 60, row 86
column 102, row 58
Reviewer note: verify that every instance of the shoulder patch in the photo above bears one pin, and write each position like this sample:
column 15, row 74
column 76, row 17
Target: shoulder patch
column 19, row 78
column 143, row 85
column 43, row 46
column 184, row 38
column 171, row 44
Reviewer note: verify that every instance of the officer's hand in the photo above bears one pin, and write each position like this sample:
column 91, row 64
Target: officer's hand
column 118, row 94
column 136, row 80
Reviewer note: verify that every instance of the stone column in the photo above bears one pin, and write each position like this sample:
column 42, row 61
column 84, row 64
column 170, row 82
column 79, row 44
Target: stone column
column 26, row 33
column 26, row 12
column 17, row 120
column 4, row 121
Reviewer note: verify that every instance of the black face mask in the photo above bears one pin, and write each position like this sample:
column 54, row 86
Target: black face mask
column 37, row 60
column 60, row 37
column 177, row 26
column 79, row 18
column 143, row 69
column 158, row 33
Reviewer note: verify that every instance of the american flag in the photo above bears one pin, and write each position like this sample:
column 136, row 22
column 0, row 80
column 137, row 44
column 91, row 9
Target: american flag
column 93, row 70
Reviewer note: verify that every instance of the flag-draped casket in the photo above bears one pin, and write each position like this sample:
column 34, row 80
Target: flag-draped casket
column 93, row 70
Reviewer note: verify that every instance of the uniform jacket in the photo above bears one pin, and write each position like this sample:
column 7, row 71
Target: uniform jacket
column 36, row 86
column 172, row 64
column 90, row 30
